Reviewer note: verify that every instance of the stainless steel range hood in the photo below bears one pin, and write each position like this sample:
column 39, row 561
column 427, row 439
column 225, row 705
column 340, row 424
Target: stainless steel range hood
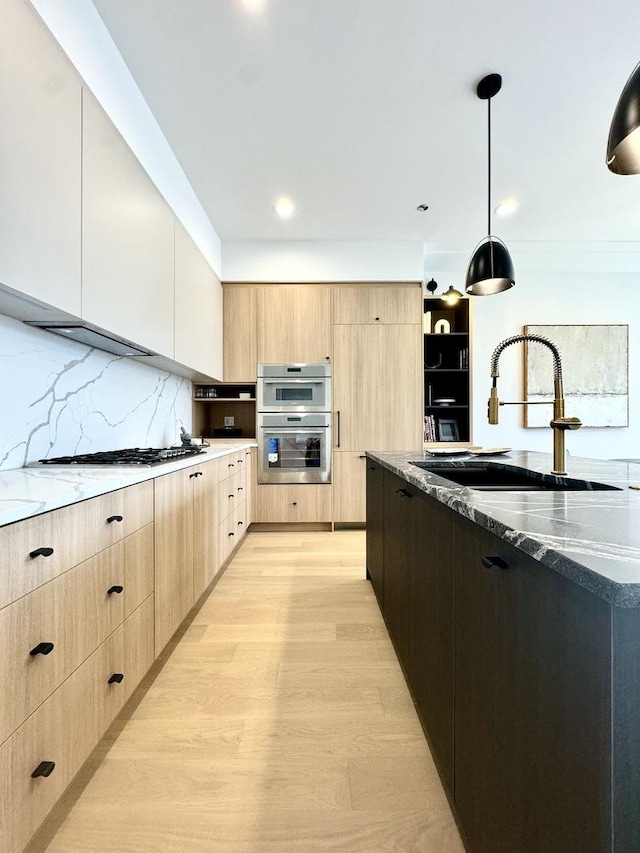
column 85, row 333
column 41, row 315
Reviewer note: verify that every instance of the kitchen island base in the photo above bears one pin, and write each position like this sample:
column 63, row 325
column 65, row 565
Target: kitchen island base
column 527, row 684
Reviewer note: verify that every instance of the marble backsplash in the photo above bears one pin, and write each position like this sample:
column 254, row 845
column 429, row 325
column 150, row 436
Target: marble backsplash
column 60, row 397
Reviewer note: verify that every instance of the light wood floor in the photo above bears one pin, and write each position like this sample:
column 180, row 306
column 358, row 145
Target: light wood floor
column 280, row 723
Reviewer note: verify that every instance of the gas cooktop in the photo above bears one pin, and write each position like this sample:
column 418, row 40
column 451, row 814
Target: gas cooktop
column 128, row 456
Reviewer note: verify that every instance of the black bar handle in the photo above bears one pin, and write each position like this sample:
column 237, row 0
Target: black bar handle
column 45, row 768
column 240, row 488
column 196, row 474
column 41, row 649
column 232, row 534
column 116, row 678
column 494, row 563
column 231, row 495
column 113, row 518
column 231, row 465
column 240, row 523
column 338, row 430
column 362, row 456
column 371, row 467
column 41, row 552
column 117, row 588
column 403, row 493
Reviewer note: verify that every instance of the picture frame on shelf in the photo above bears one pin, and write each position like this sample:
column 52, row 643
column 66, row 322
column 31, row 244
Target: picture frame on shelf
column 448, row 430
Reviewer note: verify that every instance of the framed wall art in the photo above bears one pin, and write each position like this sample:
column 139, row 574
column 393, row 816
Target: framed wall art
column 595, row 370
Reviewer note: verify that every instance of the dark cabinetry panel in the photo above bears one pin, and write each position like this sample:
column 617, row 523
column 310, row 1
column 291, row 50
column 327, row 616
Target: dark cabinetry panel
column 532, row 688
column 375, row 523
column 397, row 496
column 430, row 612
column 527, row 685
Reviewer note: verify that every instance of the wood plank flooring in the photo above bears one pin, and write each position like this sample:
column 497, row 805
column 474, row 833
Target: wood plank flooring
column 280, row 723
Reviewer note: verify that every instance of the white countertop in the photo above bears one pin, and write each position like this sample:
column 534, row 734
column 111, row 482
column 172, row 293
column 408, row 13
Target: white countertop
column 25, row 492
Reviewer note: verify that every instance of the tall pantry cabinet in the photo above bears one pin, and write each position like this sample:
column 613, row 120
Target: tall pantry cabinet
column 377, row 338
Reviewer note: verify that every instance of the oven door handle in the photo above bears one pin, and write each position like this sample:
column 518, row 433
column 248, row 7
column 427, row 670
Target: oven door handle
column 293, row 381
column 295, row 431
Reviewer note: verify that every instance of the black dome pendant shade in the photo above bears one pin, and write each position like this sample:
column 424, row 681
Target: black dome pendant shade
column 490, row 268
column 623, row 148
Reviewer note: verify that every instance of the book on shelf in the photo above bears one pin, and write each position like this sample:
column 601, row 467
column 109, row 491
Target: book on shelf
column 463, row 359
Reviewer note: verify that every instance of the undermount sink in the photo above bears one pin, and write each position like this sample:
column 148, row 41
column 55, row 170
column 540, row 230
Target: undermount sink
column 492, row 477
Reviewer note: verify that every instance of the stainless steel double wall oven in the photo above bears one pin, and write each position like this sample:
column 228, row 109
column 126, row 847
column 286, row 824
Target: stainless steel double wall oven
column 294, row 423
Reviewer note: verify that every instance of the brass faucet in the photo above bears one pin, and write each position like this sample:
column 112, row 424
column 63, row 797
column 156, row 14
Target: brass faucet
column 560, row 423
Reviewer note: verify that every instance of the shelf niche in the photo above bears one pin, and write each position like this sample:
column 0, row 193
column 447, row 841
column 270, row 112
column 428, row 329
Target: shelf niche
column 447, row 375
column 213, row 403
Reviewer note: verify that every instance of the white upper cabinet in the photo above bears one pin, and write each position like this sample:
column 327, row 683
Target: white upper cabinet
column 127, row 240
column 40, row 157
column 198, row 308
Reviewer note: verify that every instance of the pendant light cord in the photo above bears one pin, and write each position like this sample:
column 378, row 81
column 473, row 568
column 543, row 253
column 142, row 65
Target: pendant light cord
column 489, row 167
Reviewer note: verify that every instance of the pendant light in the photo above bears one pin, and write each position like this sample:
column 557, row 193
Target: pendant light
column 451, row 296
column 490, row 268
column 623, row 147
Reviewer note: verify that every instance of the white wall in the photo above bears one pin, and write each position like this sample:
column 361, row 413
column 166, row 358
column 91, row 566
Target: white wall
column 61, row 398
column 83, row 36
column 322, row 260
column 593, row 284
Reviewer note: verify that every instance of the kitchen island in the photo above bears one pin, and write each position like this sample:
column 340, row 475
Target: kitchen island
column 516, row 618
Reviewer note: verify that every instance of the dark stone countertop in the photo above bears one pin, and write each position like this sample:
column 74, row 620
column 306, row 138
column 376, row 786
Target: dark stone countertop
column 591, row 537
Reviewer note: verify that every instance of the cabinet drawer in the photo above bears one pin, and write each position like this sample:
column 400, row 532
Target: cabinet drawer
column 66, row 619
column 228, row 465
column 34, row 551
column 231, row 533
column 117, row 514
column 138, row 560
column 308, row 503
column 128, row 652
column 65, row 728
column 38, row 549
column 230, row 495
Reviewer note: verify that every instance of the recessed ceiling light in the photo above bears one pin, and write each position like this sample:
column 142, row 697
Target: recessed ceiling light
column 284, row 207
column 507, row 207
column 253, row 5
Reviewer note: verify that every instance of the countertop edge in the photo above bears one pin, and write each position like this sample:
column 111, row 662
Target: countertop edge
column 466, row 503
column 27, row 492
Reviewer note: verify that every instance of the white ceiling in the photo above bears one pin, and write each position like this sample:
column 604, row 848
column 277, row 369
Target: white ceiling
column 360, row 110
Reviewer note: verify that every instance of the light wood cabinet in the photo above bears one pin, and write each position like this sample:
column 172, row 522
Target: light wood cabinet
column 188, row 535
column 174, row 553
column 377, row 387
column 240, row 333
column 40, row 162
column 349, row 476
column 127, row 240
column 198, row 308
column 294, row 324
column 38, row 549
column 59, row 736
column 47, row 634
column 205, row 528
column 296, row 503
column 377, row 304
column 34, row 551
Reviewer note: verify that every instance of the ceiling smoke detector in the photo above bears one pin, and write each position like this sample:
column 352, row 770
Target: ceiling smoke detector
column 422, row 207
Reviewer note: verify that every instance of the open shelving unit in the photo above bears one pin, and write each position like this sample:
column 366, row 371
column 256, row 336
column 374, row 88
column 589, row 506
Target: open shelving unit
column 212, row 404
column 447, row 375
